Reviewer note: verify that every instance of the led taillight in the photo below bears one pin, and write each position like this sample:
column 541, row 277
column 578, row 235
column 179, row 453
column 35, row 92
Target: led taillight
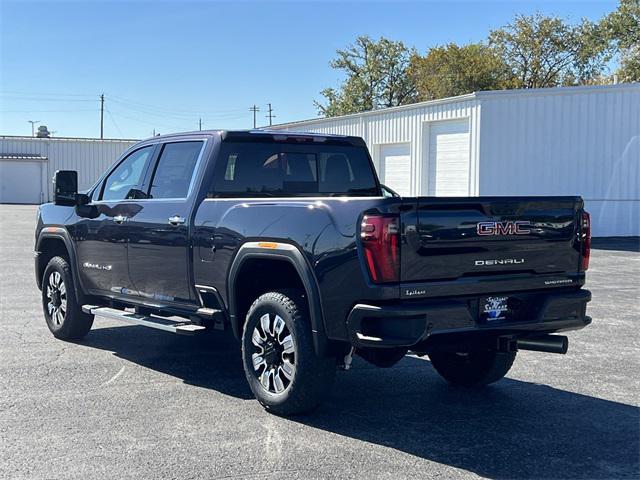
column 585, row 239
column 379, row 234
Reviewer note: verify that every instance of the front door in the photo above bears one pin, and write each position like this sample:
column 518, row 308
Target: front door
column 101, row 242
column 159, row 244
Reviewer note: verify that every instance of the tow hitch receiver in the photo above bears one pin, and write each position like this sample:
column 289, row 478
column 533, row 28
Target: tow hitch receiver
column 547, row 343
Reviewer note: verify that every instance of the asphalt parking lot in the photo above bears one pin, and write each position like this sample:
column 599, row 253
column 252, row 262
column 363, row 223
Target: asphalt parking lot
column 129, row 402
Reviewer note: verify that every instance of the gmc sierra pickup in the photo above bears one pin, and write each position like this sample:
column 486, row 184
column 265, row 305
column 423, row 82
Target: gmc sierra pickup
column 291, row 241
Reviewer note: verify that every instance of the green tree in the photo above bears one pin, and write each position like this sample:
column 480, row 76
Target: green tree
column 621, row 29
column 376, row 77
column 545, row 51
column 452, row 70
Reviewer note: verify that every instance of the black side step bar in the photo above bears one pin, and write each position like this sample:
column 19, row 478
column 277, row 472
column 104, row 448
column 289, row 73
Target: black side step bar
column 180, row 327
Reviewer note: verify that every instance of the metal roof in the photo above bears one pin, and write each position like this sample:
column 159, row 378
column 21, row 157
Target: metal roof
column 67, row 139
column 483, row 94
column 22, row 156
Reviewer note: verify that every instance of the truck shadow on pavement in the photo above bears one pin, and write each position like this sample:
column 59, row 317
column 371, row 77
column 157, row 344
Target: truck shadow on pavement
column 512, row 429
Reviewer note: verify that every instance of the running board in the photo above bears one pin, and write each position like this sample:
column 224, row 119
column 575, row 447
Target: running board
column 183, row 328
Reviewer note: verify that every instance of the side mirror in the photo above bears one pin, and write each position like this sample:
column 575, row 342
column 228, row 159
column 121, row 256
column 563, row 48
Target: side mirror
column 65, row 187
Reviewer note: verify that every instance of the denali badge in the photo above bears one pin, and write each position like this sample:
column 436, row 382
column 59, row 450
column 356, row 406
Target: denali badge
column 96, row 266
column 503, row 228
column 500, row 261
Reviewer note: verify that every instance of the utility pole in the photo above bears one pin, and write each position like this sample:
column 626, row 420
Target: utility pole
column 33, row 122
column 254, row 109
column 200, row 124
column 270, row 115
column 101, row 116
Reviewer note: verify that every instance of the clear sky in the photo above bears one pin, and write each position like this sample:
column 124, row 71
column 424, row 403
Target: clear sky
column 164, row 65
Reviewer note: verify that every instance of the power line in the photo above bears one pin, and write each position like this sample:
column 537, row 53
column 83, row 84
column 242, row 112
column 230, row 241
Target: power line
column 146, row 106
column 50, row 94
column 155, row 124
column 179, row 116
column 270, row 115
column 254, row 109
column 50, row 111
column 113, row 120
column 44, row 99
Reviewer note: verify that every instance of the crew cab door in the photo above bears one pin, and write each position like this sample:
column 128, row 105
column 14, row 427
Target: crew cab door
column 101, row 242
column 159, row 242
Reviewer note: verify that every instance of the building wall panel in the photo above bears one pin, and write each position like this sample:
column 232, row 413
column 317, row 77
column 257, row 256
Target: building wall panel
column 574, row 141
column 89, row 157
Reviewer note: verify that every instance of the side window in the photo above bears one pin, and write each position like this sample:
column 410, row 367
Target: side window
column 174, row 170
column 127, row 175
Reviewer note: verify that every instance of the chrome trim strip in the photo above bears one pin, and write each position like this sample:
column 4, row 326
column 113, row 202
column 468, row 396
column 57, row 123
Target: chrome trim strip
column 262, row 199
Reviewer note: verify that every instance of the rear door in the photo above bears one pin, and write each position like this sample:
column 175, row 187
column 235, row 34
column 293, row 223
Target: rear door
column 395, row 167
column 159, row 243
column 467, row 238
column 449, row 158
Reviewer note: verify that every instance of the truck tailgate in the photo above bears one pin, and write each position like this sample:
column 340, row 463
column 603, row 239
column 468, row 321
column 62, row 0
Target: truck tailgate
column 451, row 238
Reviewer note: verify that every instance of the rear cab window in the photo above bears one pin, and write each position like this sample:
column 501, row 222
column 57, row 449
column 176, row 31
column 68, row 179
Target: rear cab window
column 270, row 169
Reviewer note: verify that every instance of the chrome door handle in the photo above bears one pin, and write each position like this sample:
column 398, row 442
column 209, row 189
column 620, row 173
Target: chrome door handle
column 176, row 220
column 119, row 219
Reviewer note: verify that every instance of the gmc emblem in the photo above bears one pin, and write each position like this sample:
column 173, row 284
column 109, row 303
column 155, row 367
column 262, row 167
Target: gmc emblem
column 503, row 228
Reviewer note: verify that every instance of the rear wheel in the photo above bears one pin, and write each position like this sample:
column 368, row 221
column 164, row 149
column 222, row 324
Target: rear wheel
column 62, row 312
column 280, row 363
column 472, row 369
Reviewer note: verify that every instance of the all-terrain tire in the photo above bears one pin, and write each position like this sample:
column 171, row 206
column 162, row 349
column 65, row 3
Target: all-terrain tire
column 62, row 312
column 472, row 369
column 270, row 348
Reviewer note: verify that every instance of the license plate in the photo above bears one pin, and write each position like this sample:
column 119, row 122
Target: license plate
column 494, row 309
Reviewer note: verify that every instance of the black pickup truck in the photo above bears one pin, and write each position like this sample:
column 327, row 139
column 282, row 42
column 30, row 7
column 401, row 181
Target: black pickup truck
column 291, row 242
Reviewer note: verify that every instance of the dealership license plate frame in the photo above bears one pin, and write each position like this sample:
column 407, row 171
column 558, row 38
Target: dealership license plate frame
column 494, row 309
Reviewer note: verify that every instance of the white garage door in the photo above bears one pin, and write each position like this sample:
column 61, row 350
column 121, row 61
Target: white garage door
column 20, row 181
column 449, row 159
column 395, row 167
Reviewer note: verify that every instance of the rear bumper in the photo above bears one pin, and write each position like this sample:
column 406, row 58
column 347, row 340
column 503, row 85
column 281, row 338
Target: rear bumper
column 407, row 324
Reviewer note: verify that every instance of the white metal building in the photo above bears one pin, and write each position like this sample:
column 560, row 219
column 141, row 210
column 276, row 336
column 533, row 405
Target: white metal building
column 27, row 164
column 554, row 141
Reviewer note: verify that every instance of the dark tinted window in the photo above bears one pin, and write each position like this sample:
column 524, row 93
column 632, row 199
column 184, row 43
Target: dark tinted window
column 283, row 169
column 127, row 175
column 174, row 170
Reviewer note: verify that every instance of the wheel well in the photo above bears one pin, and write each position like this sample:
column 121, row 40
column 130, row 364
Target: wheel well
column 258, row 276
column 49, row 248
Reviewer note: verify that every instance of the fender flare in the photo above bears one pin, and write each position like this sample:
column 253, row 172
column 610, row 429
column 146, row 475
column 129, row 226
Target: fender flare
column 60, row 233
column 291, row 254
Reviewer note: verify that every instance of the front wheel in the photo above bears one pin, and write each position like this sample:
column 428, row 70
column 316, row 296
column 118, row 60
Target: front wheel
column 280, row 363
column 63, row 313
column 472, row 369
